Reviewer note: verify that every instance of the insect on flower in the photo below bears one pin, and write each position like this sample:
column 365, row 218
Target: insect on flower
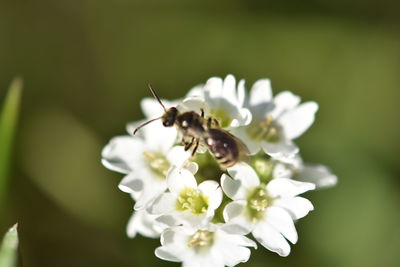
column 197, row 129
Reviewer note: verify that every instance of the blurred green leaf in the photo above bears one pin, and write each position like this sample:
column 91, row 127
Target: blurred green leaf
column 8, row 250
column 8, row 123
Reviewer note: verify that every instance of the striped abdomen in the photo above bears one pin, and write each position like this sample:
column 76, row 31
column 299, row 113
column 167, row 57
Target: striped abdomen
column 223, row 146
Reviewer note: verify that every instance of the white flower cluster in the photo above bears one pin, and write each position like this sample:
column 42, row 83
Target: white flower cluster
column 203, row 213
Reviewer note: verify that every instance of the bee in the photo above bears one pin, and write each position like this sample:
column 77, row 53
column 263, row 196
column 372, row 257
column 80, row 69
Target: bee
column 196, row 129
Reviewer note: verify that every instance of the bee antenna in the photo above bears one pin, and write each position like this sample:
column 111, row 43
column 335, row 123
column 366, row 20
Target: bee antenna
column 156, row 97
column 144, row 124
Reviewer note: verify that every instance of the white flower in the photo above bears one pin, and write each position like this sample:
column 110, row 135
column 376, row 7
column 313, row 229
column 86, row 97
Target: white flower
column 186, row 202
column 210, row 246
column 145, row 224
column 267, row 211
column 145, row 158
column 198, row 226
column 275, row 121
column 317, row 174
column 221, row 100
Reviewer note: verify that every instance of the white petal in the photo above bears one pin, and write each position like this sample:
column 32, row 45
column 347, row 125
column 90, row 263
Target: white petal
column 122, row 153
column 193, row 167
column 152, row 189
column 191, row 103
column 296, row 121
column 143, row 223
column 213, row 191
column 131, row 183
column 252, row 146
column 234, row 255
column 284, row 150
column 131, row 127
column 319, row 175
column 261, row 92
column 287, row 187
column 179, row 179
column 298, row 207
column 271, row 239
column 233, row 227
column 158, row 137
column 167, row 253
column 213, row 87
column 245, row 174
column 245, row 118
column 284, row 101
column 168, row 220
column 165, row 203
column 283, row 222
column 234, row 216
column 167, row 237
column 188, row 218
column 282, row 171
column 241, row 93
column 196, row 91
column 201, row 260
column 177, row 156
column 232, row 188
column 229, row 88
column 131, row 228
column 241, row 240
column 151, row 108
column 234, row 209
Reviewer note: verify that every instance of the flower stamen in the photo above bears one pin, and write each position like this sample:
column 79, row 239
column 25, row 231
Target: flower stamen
column 265, row 130
column 258, row 201
column 157, row 163
column 201, row 239
column 192, row 200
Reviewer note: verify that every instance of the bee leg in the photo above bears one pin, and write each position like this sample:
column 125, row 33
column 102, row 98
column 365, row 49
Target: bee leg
column 209, row 122
column 195, row 147
column 216, row 122
column 212, row 122
column 202, row 112
column 189, row 145
column 187, row 162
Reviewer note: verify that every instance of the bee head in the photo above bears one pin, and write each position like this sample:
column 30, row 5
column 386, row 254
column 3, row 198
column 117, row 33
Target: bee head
column 169, row 118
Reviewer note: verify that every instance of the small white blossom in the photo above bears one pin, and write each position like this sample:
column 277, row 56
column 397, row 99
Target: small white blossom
column 267, row 211
column 186, row 202
column 145, row 159
column 275, row 121
column 210, row 246
column 221, row 100
column 317, row 174
column 145, row 224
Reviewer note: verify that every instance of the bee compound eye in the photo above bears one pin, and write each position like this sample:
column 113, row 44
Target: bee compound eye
column 168, row 123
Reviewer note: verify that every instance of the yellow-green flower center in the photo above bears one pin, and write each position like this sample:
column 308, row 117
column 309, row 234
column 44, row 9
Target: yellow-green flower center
column 264, row 167
column 209, row 168
column 257, row 202
column 266, row 130
column 222, row 116
column 158, row 163
column 201, row 240
column 192, row 200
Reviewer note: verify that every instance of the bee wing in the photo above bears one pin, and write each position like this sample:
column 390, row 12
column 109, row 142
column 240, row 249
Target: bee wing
column 244, row 152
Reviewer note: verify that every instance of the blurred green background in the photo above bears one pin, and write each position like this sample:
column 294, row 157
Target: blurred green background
column 85, row 66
